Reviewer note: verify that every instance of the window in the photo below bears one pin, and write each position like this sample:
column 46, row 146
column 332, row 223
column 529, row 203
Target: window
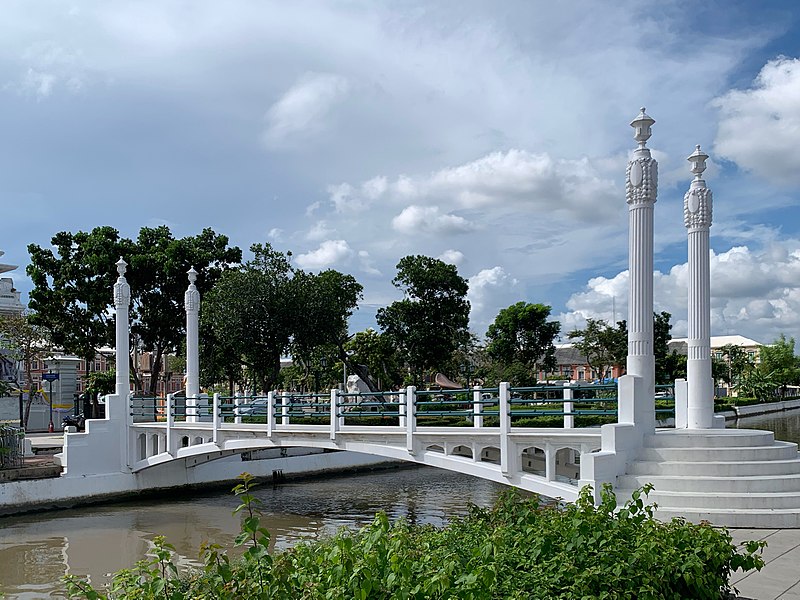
column 35, row 365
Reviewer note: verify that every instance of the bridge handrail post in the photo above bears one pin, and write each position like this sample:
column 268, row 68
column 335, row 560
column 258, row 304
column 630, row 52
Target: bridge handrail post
column 505, row 428
column 569, row 406
column 411, row 417
column 170, row 425
column 237, row 400
column 401, row 408
column 477, row 407
column 334, row 412
column 215, row 418
column 284, row 408
column 270, row 413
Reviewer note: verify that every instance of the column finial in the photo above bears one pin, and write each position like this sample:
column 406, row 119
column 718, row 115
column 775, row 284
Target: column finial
column 698, row 159
column 642, row 124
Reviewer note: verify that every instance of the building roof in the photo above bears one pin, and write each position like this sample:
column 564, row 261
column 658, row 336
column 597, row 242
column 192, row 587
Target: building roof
column 718, row 341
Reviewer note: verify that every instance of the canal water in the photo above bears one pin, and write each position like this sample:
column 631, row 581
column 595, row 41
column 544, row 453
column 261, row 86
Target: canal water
column 37, row 550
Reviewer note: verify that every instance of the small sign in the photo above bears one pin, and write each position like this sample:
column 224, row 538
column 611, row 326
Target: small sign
column 50, row 376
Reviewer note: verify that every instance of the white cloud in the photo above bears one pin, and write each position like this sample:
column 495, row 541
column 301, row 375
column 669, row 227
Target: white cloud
column 758, row 127
column 329, row 253
column 275, row 234
column 755, row 293
column 301, row 111
column 367, row 264
column 489, row 290
column 454, row 257
column 428, row 220
column 319, row 231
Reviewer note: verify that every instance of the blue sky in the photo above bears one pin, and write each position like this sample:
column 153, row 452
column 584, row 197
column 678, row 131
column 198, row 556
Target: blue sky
column 492, row 135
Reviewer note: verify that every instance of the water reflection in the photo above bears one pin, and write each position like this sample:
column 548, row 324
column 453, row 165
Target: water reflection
column 786, row 425
column 37, row 550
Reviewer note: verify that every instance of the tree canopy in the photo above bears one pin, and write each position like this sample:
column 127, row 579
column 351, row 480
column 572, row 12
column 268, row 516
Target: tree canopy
column 72, row 286
column 603, row 345
column 266, row 309
column 522, row 334
column 779, row 363
column 432, row 319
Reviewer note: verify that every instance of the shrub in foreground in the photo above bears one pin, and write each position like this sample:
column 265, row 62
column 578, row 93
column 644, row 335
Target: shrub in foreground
column 519, row 548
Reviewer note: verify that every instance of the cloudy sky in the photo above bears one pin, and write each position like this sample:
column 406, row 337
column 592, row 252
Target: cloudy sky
column 492, row 135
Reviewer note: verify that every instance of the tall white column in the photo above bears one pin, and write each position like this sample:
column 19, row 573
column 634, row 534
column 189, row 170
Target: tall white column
column 191, row 300
column 697, row 218
column 122, row 300
column 640, row 192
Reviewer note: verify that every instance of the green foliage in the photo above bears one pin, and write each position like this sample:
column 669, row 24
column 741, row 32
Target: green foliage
column 517, row 549
column 376, row 352
column 72, row 286
column 779, row 364
column 265, row 309
column 603, row 345
column 431, row 321
column 522, row 334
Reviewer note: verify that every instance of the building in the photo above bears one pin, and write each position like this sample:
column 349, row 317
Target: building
column 572, row 365
column 10, row 303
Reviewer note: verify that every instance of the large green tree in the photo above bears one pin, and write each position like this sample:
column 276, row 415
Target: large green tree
column 779, row 363
column 72, row 288
column 73, row 283
column 432, row 319
column 266, row 309
column 604, row 345
column 249, row 315
column 521, row 334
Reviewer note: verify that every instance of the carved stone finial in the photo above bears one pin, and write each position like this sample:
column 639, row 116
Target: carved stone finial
column 192, row 275
column 121, row 266
column 698, row 159
column 642, row 124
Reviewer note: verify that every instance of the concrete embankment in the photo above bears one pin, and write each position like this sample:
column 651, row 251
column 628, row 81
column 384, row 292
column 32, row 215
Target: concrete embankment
column 48, row 492
column 759, row 409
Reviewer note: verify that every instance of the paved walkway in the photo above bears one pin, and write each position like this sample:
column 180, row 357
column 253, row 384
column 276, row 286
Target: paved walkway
column 780, row 577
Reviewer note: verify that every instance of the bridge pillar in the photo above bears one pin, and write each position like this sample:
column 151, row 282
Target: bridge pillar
column 191, row 301
column 569, row 406
column 641, row 189
column 697, row 218
column 506, row 452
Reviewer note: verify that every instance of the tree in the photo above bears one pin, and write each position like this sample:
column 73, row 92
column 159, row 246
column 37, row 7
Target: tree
column 603, row 345
column 522, row 334
column 779, row 363
column 665, row 366
column 431, row 321
column 373, row 357
column 71, row 295
column 739, row 365
column 249, row 313
column 72, row 286
column 25, row 342
column 325, row 302
column 157, row 275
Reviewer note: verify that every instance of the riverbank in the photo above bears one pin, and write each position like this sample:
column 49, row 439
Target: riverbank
column 764, row 408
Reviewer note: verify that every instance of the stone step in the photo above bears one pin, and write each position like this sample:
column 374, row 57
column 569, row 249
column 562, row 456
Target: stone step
column 775, row 451
column 784, row 518
column 723, row 501
column 704, row 484
column 716, row 468
column 709, row 438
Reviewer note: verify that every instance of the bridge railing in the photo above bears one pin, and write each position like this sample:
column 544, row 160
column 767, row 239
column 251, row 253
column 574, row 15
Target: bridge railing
column 568, row 406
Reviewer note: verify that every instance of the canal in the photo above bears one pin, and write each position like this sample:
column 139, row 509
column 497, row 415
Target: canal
column 37, row 550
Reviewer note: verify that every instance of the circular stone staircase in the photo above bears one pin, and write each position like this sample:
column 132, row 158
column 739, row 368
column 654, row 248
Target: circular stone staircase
column 729, row 477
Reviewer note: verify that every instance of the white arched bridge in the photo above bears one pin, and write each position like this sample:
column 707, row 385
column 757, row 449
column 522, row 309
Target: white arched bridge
column 529, row 437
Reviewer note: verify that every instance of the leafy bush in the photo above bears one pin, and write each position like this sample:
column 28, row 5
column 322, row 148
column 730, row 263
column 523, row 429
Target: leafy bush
column 517, row 549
